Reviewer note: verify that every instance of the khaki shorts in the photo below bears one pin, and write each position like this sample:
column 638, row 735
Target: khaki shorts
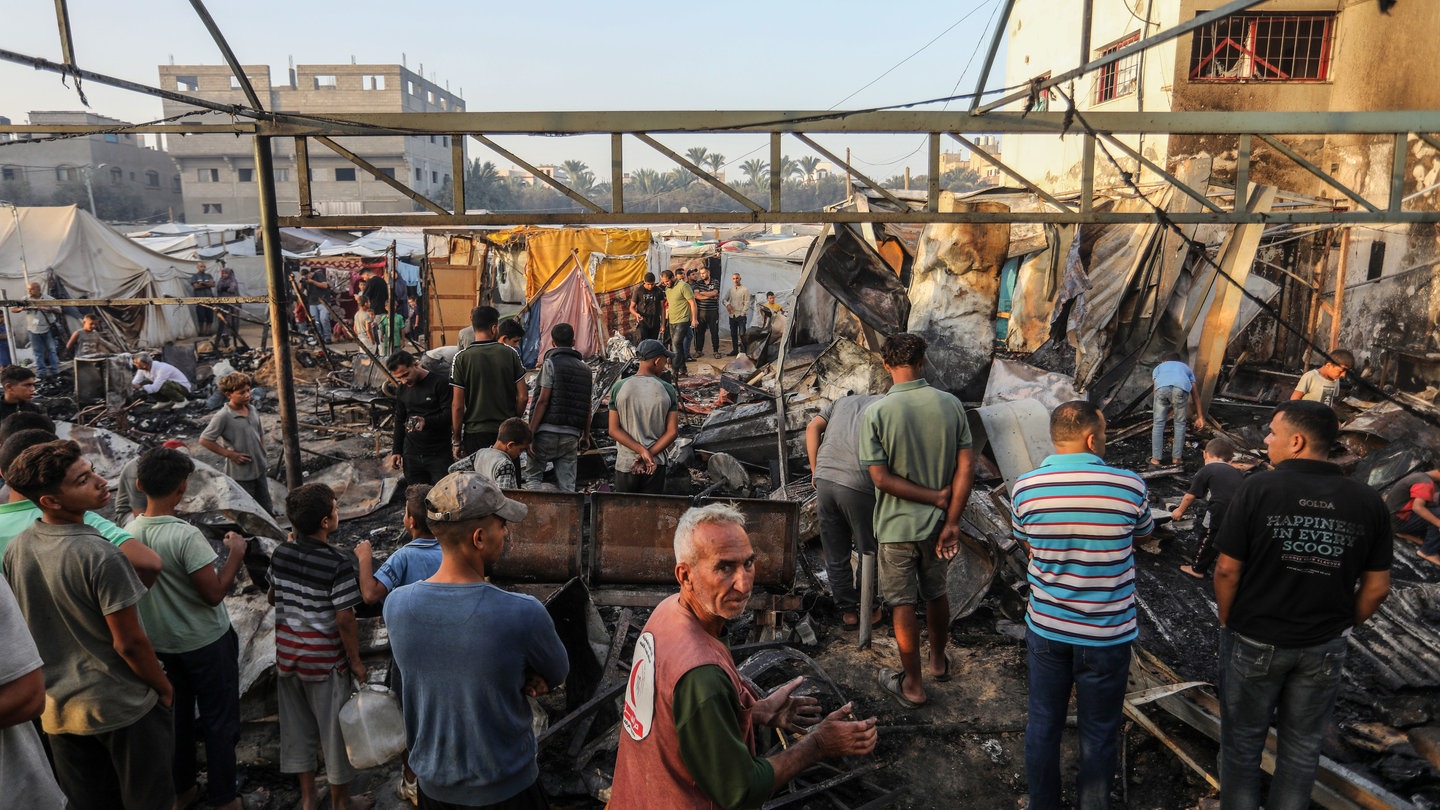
column 910, row 573
column 310, row 719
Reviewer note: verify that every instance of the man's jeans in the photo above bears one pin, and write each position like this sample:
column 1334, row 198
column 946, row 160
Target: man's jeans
column 1167, row 399
column 737, row 333
column 47, row 362
column 560, row 448
column 1099, row 676
column 320, row 318
column 1420, row 527
column 1297, row 687
column 680, row 345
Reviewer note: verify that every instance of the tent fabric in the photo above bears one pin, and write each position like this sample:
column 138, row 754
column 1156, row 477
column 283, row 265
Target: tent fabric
column 92, row 261
column 624, row 253
column 571, row 301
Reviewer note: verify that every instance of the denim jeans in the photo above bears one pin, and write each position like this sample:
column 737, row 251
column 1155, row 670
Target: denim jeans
column 1167, row 399
column 1422, row 528
column 1296, row 687
column 561, row 448
column 680, row 345
column 320, row 318
column 47, row 362
column 845, row 523
column 1099, row 675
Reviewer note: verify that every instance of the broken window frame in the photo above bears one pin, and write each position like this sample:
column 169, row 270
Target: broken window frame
column 1117, row 79
column 1207, row 45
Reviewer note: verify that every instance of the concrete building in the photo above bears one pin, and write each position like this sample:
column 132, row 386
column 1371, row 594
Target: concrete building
column 218, row 171
column 130, row 180
column 989, row 175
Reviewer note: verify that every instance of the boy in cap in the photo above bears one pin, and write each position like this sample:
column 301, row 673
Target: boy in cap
column 644, row 421
column 467, row 692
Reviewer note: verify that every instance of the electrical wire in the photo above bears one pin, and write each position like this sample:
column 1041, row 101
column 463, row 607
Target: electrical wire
column 917, row 52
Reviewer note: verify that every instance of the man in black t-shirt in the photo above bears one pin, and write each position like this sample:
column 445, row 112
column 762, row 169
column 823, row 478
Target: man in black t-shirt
column 1304, row 558
column 421, row 442
column 707, row 307
column 647, row 306
column 376, row 291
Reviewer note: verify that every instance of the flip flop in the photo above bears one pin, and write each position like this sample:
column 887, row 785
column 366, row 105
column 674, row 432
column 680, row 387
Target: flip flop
column 890, row 680
column 944, row 676
column 1191, row 573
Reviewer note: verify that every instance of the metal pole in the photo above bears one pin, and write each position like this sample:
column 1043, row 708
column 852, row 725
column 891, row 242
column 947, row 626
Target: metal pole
column 90, row 192
column 279, row 324
column 867, row 598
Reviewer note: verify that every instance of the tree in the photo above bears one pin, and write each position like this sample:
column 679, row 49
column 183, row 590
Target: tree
column 649, row 183
column 680, row 177
column 757, row 171
column 789, row 168
column 697, row 155
column 485, row 188
column 808, row 165
column 715, row 161
column 579, row 175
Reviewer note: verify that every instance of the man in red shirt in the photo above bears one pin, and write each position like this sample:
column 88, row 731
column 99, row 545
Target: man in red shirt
column 1414, row 504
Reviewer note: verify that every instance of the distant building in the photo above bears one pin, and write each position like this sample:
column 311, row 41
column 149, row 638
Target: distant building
column 218, row 171
column 989, row 175
column 130, row 181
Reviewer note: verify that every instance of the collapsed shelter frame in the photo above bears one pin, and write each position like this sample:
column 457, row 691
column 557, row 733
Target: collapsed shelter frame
column 1100, row 129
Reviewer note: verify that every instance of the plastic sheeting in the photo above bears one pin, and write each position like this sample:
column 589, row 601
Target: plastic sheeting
column 569, row 301
column 622, row 263
column 93, row 261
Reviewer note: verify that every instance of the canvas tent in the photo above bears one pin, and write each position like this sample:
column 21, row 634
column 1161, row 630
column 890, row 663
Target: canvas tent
column 92, row 261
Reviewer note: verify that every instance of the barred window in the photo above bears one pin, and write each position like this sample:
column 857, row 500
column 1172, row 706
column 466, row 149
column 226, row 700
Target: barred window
column 1263, row 47
column 1117, row 78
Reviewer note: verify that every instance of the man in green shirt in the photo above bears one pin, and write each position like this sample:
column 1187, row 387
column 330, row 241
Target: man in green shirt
column 707, row 730
column 680, row 318
column 488, row 383
column 916, row 443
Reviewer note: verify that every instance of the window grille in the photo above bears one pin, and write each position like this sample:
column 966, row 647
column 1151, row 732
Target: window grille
column 1117, row 78
column 1263, row 47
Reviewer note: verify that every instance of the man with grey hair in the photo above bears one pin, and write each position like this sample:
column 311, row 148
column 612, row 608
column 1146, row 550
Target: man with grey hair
column 164, row 383
column 690, row 720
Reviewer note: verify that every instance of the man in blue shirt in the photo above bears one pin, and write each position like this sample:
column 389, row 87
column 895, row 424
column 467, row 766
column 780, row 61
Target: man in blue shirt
column 467, row 720
column 1173, row 383
column 1079, row 518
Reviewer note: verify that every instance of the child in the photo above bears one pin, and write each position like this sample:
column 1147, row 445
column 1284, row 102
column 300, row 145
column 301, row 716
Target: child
column 391, row 331
column 364, row 323
column 239, row 425
column 413, row 562
column 19, row 385
column 511, row 333
column 107, row 700
column 1173, row 383
column 187, row 622
column 498, row 462
column 1323, row 384
column 770, row 309
column 85, row 341
column 1216, row 483
column 314, row 591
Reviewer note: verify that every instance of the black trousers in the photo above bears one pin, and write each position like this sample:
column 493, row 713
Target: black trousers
column 473, row 443
column 649, row 331
column 652, row 484
column 709, row 322
column 426, row 467
column 207, row 678
column 117, row 770
column 737, row 333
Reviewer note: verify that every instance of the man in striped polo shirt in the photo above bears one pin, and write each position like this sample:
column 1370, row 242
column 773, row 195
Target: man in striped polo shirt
column 1080, row 519
column 314, row 589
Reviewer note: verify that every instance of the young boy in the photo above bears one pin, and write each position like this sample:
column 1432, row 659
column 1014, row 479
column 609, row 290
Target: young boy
column 1216, row 482
column 107, row 702
column 1414, row 504
column 314, row 590
column 511, row 333
column 86, row 341
column 1323, row 384
column 1173, row 381
column 390, row 330
column 239, row 425
column 19, row 385
column 187, row 622
column 416, row 561
column 499, row 461
column 364, row 323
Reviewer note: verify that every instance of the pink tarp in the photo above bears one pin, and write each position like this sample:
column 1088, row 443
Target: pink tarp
column 572, row 301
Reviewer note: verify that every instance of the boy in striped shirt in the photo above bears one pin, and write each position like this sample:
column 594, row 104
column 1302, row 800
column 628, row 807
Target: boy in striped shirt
column 1080, row 519
column 314, row 589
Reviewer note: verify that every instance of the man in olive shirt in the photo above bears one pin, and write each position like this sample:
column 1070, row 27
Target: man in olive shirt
column 488, row 383
column 680, row 317
column 698, row 747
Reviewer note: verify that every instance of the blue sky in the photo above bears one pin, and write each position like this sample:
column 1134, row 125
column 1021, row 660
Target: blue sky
column 556, row 55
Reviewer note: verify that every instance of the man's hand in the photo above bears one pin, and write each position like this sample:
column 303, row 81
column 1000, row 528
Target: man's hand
column 359, row 670
column 1199, row 422
column 236, row 543
column 535, row 686
column 785, row 710
column 167, row 698
column 362, row 551
column 394, row 461
column 1177, row 513
column 457, row 451
column 647, row 462
column 943, row 500
column 838, row 736
column 949, row 543
column 240, row 458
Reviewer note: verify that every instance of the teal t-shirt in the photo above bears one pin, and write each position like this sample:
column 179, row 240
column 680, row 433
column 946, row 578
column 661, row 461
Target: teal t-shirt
column 18, row 516
column 917, row 432
column 175, row 617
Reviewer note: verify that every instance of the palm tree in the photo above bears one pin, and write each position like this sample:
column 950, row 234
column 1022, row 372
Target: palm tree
column 789, row 168
column 485, row 188
column 697, row 155
column 680, row 177
column 649, row 182
column 808, row 165
column 715, row 161
column 579, row 174
column 756, row 171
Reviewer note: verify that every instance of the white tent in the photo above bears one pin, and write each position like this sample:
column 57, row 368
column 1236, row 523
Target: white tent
column 92, row 261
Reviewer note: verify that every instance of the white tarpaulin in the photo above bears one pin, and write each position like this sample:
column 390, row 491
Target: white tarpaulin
column 92, row 261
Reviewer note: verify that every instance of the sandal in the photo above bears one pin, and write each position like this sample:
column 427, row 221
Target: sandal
column 944, row 676
column 890, row 680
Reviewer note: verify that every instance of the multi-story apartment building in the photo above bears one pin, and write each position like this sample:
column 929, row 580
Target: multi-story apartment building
column 128, row 179
column 218, row 171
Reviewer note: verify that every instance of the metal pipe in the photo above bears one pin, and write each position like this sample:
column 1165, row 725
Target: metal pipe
column 867, row 598
column 280, row 325
column 228, row 54
column 991, row 52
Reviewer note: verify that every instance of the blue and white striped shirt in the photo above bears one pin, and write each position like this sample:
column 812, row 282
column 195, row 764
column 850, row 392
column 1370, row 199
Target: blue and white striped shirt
column 1079, row 517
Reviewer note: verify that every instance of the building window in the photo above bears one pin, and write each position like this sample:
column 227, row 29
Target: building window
column 66, row 174
column 117, row 174
column 245, row 175
column 175, row 183
column 373, row 81
column 345, row 175
column 9, row 173
column 443, row 105
column 207, row 175
column 1117, row 78
column 325, row 81
column 111, row 137
column 1376, row 268
column 445, row 141
column 434, row 178
column 1041, row 100
column 282, row 175
column 187, row 84
column 409, row 88
column 1263, row 47
column 419, row 175
column 390, row 173
column 430, row 96
column 212, row 208
column 432, row 139
column 152, row 179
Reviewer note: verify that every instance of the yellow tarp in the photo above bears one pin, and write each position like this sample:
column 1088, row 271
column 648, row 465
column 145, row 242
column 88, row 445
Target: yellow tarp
column 624, row 253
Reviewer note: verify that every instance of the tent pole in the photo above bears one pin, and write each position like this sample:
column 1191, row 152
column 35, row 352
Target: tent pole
column 279, row 324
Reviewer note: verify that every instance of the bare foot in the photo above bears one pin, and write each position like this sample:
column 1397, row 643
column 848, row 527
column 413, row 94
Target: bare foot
column 1191, row 571
column 1431, row 557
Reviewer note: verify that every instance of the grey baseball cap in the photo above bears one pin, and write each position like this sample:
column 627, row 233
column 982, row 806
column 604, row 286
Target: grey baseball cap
column 467, row 496
column 650, row 348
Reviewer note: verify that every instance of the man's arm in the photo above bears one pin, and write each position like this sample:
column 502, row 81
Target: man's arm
column 693, row 317
column 349, row 639
column 814, row 434
column 457, row 419
column 1422, row 508
column 22, row 699
column 213, row 587
column 129, row 640
column 143, row 559
column 1184, row 507
column 522, row 395
column 397, row 435
column 948, row 544
column 906, row 490
column 1227, row 581
column 672, row 430
column 542, row 403
column 1374, row 587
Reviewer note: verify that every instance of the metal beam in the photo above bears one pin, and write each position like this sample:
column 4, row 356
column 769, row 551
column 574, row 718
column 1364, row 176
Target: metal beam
column 995, row 40
column 229, row 55
column 1198, row 21
column 1318, row 172
column 124, row 84
column 381, row 176
column 1011, row 173
column 457, row 171
column 712, row 180
column 617, row 173
column 932, row 179
column 1398, row 159
column 777, row 182
column 279, row 318
column 1174, row 181
column 302, row 177
column 537, row 174
column 853, row 172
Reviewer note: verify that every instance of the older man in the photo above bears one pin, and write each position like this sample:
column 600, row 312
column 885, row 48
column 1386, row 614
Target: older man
column 690, row 720
column 40, row 319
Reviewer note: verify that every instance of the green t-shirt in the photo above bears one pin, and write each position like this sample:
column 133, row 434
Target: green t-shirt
column 16, row 517
column 487, row 372
column 917, row 432
column 175, row 617
column 707, row 725
column 678, row 296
